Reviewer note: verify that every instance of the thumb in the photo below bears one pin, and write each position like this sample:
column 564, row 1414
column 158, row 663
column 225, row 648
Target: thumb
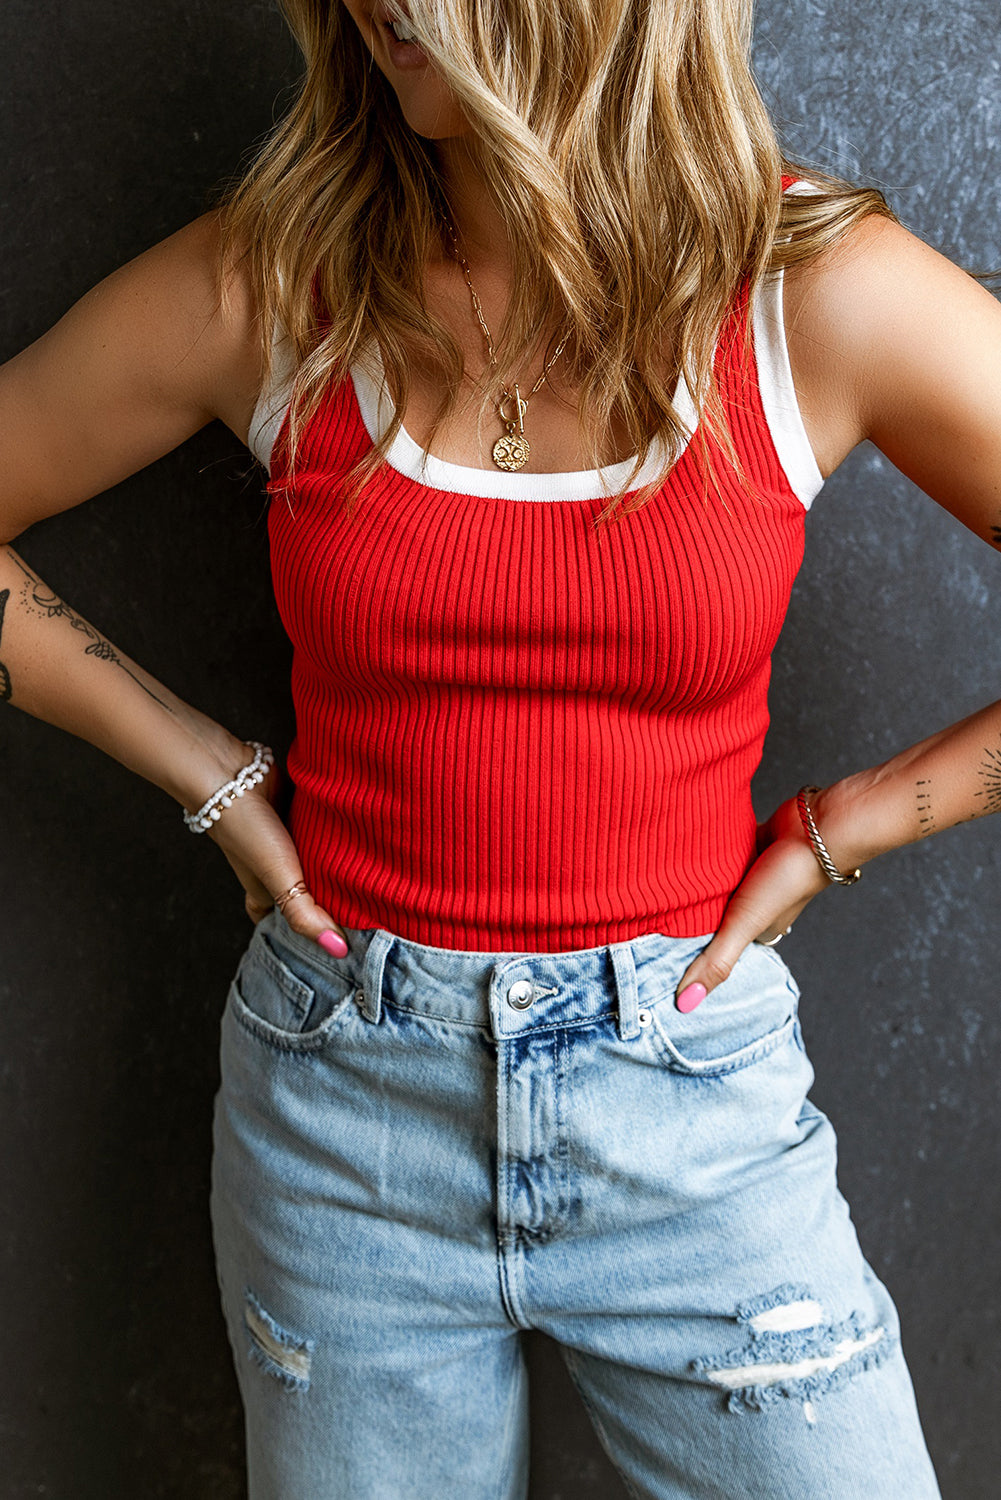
column 713, row 965
column 304, row 915
column 740, row 926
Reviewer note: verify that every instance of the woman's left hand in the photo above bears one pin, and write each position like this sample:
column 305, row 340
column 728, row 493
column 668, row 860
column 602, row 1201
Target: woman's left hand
column 783, row 879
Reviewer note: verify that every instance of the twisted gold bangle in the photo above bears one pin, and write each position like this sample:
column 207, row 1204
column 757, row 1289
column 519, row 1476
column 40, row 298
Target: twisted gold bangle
column 827, row 864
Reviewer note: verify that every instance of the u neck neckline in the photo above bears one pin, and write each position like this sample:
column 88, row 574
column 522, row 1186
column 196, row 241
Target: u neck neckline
column 406, row 456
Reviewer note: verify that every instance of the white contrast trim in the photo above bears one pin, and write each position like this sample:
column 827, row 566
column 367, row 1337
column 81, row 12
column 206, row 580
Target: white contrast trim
column 778, row 394
column 407, row 456
column 273, row 402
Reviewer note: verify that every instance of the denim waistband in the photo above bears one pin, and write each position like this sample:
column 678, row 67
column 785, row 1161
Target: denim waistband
column 506, row 993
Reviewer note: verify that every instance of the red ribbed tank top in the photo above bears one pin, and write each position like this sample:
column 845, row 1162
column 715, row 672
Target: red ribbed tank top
column 507, row 736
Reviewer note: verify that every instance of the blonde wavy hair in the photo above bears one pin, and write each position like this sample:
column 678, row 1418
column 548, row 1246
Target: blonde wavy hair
column 633, row 161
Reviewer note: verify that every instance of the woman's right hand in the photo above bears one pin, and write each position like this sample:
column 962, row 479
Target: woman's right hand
column 259, row 847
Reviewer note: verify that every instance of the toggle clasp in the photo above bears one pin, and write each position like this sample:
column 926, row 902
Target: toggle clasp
column 521, row 408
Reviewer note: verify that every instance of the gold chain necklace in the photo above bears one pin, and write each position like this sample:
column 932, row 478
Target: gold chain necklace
column 512, row 451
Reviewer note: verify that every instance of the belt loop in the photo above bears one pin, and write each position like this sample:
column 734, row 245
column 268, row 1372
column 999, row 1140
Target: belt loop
column 375, row 961
column 625, row 984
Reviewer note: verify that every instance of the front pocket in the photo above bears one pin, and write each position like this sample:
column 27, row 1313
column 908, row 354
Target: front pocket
column 278, row 1006
column 745, row 1018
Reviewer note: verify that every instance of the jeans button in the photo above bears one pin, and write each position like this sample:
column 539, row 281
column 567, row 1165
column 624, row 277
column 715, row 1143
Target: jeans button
column 521, row 994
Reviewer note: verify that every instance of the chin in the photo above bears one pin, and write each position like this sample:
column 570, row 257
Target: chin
column 434, row 124
column 430, row 134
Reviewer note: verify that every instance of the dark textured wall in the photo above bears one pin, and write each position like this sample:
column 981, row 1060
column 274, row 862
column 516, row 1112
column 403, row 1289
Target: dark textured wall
column 120, row 931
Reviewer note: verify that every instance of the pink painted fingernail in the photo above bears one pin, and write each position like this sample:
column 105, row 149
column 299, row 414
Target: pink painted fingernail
column 333, row 943
column 691, row 996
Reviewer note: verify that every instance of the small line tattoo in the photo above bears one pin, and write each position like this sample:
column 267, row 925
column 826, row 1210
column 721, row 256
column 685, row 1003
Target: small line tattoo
column 19, row 561
column 996, row 535
column 990, row 774
column 5, row 688
column 925, row 816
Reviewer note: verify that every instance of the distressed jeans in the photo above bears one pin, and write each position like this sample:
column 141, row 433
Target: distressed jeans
column 420, row 1152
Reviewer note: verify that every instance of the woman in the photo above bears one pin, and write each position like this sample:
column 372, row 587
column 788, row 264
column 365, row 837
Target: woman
column 511, row 1045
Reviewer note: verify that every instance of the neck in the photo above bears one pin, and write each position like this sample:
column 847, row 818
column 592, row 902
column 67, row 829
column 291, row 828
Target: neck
column 482, row 233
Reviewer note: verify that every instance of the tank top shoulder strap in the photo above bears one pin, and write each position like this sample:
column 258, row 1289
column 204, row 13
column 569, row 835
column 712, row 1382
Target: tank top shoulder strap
column 274, row 399
column 775, row 382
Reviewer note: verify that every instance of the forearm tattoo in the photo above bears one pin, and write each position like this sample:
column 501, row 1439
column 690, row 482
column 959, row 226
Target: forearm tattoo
column 35, row 593
column 989, row 793
column 4, row 674
column 989, row 772
column 925, row 816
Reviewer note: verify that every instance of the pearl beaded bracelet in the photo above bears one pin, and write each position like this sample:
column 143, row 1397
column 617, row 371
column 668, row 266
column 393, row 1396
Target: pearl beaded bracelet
column 251, row 775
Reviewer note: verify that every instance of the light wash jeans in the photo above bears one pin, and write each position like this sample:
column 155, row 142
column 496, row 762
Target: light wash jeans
column 420, row 1152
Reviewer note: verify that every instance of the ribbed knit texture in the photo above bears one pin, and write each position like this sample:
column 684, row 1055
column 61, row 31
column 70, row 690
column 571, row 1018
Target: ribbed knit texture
column 510, row 736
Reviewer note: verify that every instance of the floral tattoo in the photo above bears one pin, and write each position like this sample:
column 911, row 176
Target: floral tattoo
column 46, row 602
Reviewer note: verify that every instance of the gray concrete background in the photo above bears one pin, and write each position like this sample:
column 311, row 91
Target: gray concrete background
column 120, row 932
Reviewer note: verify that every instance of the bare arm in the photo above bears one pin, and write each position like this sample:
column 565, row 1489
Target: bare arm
column 139, row 364
column 888, row 341
column 896, row 344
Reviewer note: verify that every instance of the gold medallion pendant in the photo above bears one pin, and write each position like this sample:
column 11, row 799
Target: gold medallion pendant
column 511, row 452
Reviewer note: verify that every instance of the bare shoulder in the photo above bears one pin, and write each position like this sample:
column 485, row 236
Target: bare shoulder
column 186, row 318
column 864, row 319
column 891, row 341
column 162, row 346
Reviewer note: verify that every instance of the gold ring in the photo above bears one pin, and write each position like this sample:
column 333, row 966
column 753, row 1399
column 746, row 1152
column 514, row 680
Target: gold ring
column 299, row 889
column 770, row 942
